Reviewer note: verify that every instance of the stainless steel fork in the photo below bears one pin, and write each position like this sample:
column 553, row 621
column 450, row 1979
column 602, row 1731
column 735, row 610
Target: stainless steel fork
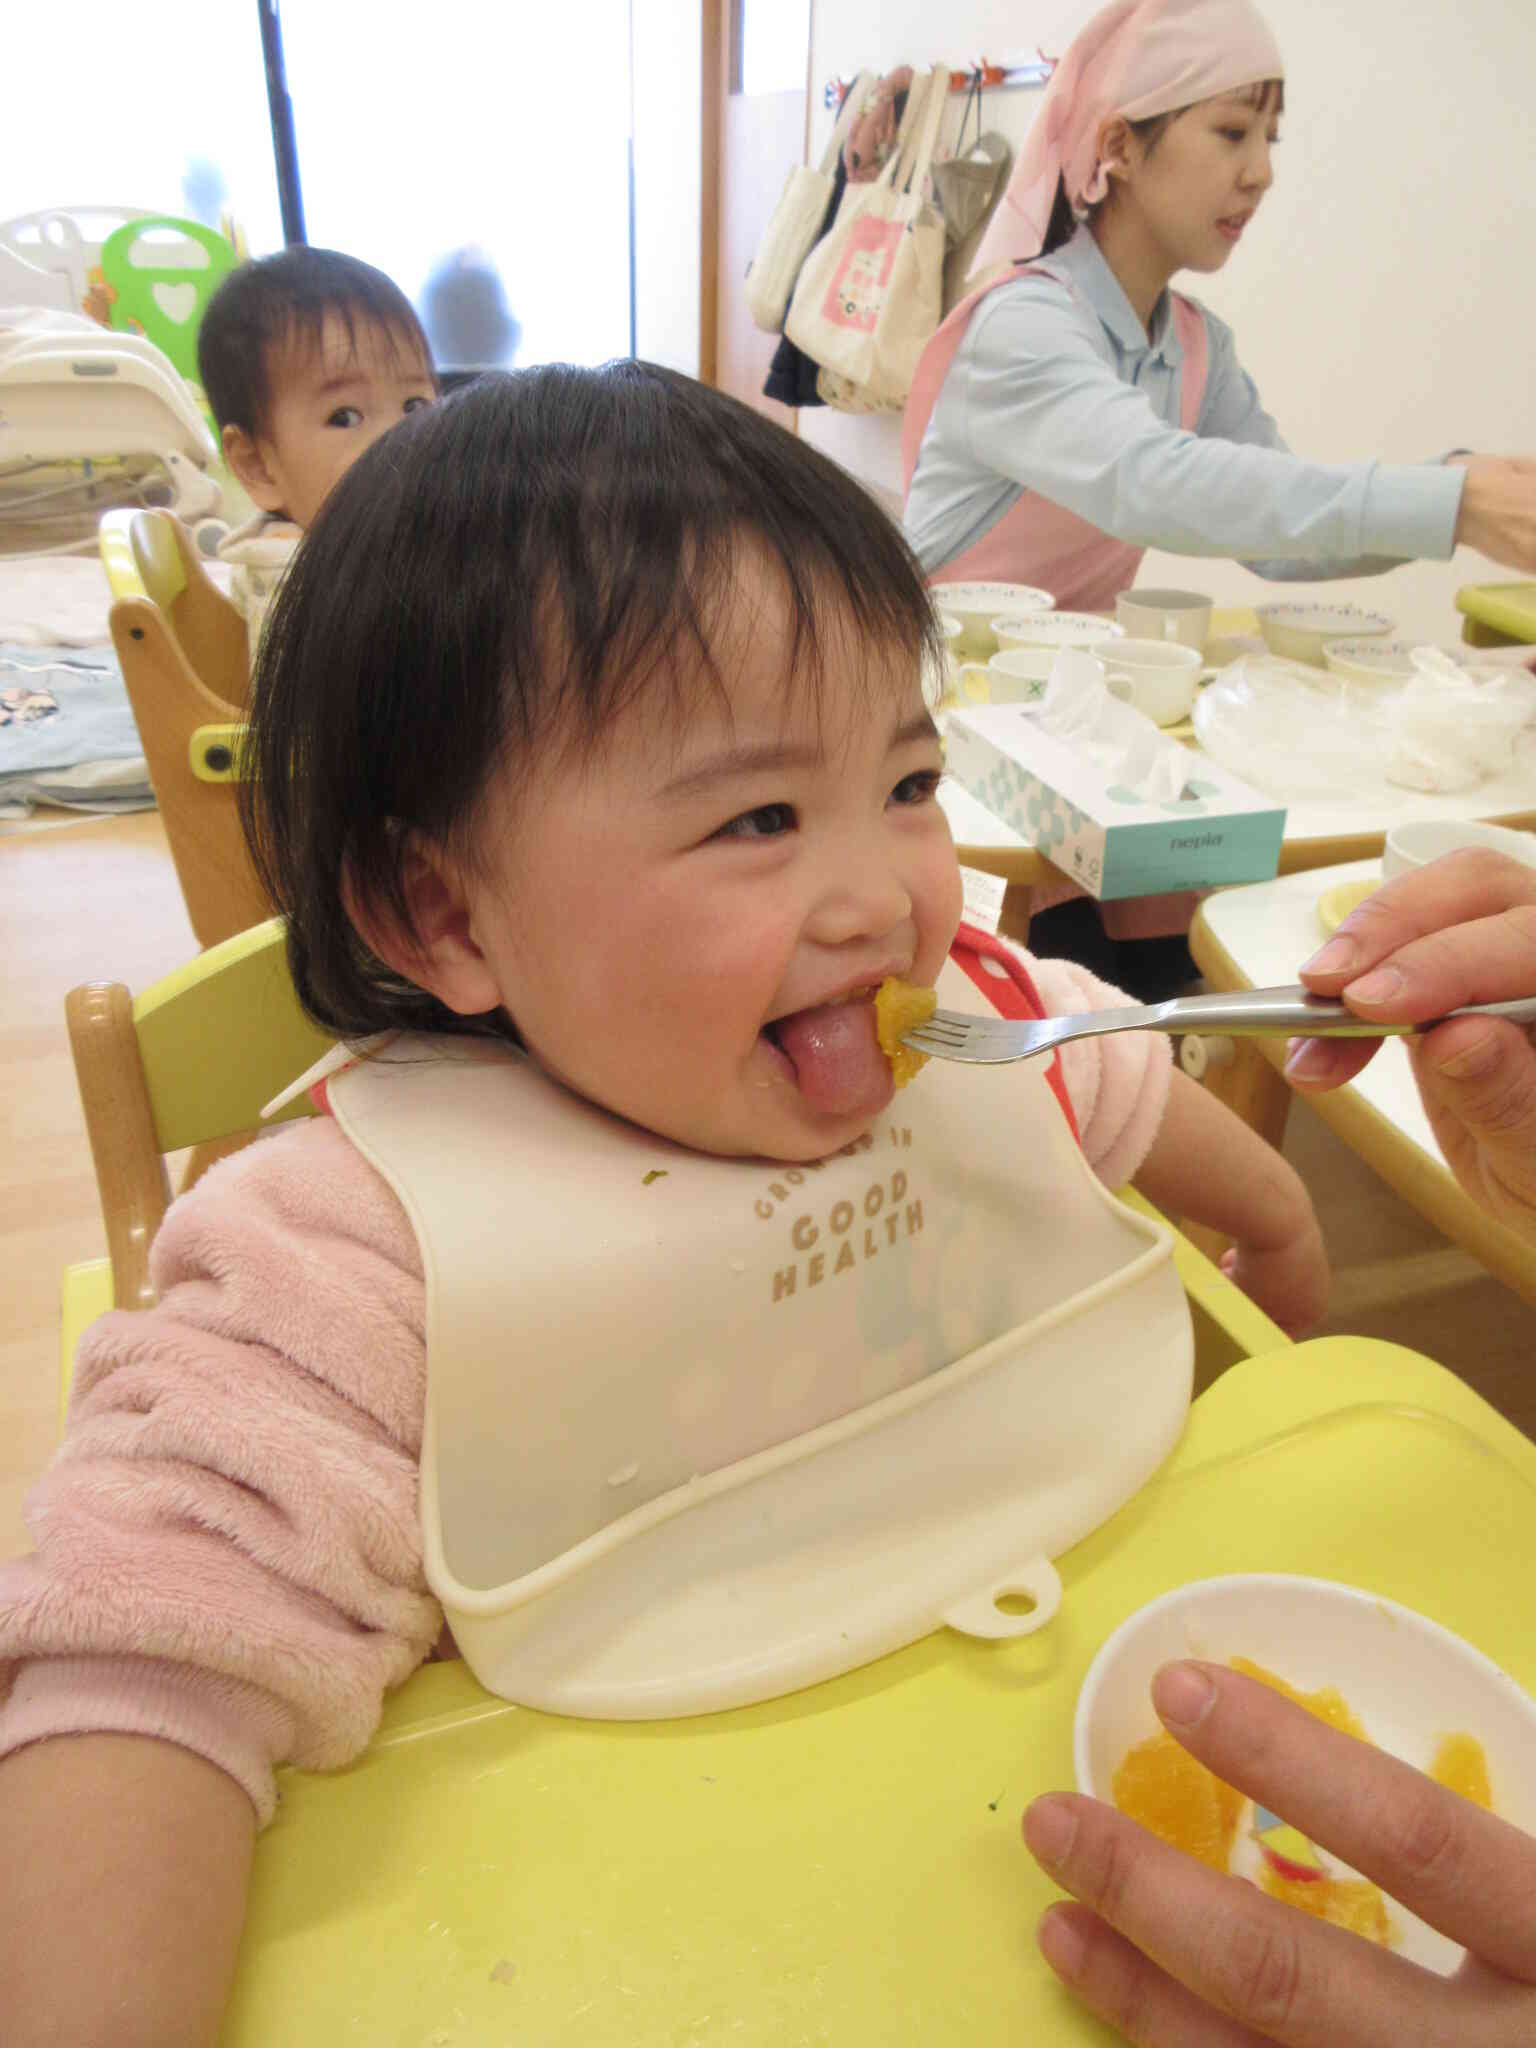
column 1249, row 1013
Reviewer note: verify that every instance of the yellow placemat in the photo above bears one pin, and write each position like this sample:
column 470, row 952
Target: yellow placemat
column 843, row 1866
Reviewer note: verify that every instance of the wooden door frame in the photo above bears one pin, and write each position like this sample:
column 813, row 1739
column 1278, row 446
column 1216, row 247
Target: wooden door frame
column 720, row 58
column 714, row 84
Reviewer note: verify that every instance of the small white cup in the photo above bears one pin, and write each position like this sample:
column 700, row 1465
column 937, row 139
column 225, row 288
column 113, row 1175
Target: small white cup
column 1181, row 615
column 1416, row 844
column 1157, row 677
column 1017, row 675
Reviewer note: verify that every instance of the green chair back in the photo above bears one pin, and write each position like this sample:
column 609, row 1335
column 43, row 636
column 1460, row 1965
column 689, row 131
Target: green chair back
column 221, row 1036
column 165, row 300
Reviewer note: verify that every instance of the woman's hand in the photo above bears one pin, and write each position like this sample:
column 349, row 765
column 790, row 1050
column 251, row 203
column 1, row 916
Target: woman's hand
column 1498, row 508
column 1171, row 1952
column 1462, row 930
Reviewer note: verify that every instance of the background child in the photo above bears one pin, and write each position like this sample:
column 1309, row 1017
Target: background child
column 306, row 357
column 589, row 717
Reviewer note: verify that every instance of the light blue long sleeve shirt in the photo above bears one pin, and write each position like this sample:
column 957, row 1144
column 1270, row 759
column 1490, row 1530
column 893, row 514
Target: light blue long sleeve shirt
column 1061, row 391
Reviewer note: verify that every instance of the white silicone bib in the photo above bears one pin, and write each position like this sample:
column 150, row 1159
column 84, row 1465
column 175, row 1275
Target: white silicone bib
column 700, row 1431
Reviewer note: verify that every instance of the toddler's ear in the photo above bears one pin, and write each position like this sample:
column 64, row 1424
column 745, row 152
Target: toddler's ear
column 435, row 946
column 250, row 468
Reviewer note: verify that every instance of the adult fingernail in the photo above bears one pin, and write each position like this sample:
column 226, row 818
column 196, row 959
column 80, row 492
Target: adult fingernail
column 1182, row 1695
column 1332, row 958
column 1378, row 987
column 1061, row 1943
column 1050, row 1829
column 1304, row 1058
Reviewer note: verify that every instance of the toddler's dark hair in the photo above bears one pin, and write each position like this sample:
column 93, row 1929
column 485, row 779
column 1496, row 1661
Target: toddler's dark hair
column 268, row 304
column 495, row 580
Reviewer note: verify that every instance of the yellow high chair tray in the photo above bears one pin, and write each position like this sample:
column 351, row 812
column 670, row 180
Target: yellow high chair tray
column 1497, row 612
column 842, row 1865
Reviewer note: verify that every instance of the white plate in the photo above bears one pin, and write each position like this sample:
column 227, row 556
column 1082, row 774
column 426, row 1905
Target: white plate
column 975, row 605
column 1391, row 661
column 1301, row 631
column 1054, row 629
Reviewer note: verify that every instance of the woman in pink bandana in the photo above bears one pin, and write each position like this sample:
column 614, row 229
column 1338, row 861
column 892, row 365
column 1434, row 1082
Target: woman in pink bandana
column 1073, row 410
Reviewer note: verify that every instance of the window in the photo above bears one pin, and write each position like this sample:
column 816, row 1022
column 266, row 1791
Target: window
column 480, row 155
column 108, row 106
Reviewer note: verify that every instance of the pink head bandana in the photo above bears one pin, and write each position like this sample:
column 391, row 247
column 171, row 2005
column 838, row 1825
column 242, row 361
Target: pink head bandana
column 1137, row 58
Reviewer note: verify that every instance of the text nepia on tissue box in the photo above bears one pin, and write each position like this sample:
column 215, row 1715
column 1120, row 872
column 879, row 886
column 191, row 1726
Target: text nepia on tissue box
column 1109, row 839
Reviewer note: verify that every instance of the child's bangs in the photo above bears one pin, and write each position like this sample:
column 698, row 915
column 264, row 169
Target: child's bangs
column 400, row 345
column 674, row 628
column 683, row 528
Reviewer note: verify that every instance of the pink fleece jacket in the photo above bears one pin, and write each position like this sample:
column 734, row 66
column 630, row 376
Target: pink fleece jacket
column 228, row 1542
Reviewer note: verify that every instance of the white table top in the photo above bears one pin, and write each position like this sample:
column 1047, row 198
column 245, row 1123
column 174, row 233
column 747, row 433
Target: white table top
column 1269, row 929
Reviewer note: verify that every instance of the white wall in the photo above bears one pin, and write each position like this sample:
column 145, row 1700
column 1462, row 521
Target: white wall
column 1385, row 299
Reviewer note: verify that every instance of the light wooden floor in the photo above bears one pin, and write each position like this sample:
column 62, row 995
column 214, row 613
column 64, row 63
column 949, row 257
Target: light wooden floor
column 98, row 900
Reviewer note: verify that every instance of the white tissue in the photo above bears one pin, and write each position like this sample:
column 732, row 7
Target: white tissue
column 1155, row 768
column 1452, row 728
column 1121, row 741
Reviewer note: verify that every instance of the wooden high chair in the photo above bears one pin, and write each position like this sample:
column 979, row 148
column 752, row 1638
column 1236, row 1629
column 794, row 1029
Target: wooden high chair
column 149, row 553
column 189, row 1062
column 182, row 649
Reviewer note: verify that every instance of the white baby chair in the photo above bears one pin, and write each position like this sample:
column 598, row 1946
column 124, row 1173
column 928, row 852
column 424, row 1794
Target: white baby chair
column 46, row 258
column 89, row 418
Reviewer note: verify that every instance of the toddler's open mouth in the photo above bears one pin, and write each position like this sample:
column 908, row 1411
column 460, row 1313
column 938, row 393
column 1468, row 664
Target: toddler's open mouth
column 834, row 1054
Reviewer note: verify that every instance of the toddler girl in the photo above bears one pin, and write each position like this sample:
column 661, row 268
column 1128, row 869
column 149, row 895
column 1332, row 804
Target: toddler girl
column 589, row 720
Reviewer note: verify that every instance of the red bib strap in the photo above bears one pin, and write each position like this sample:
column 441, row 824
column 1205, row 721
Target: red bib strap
column 1011, row 993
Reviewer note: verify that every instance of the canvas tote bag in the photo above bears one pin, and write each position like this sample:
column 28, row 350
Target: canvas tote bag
column 869, row 296
column 966, row 184
column 792, row 231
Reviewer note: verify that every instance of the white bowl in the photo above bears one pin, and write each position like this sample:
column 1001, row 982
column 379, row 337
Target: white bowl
column 1391, row 661
column 1417, row 843
column 1409, row 1681
column 976, row 605
column 1055, row 629
column 1301, row 631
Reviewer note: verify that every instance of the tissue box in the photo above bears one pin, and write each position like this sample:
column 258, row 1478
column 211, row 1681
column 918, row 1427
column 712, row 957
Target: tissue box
column 1109, row 840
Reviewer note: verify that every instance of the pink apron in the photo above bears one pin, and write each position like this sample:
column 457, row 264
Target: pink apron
column 1037, row 541
column 1040, row 542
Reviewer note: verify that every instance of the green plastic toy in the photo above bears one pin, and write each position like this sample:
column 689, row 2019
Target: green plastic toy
column 165, row 300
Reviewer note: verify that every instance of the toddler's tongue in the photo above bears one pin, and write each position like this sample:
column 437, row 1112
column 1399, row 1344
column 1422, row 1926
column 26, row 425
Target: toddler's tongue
column 837, row 1058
